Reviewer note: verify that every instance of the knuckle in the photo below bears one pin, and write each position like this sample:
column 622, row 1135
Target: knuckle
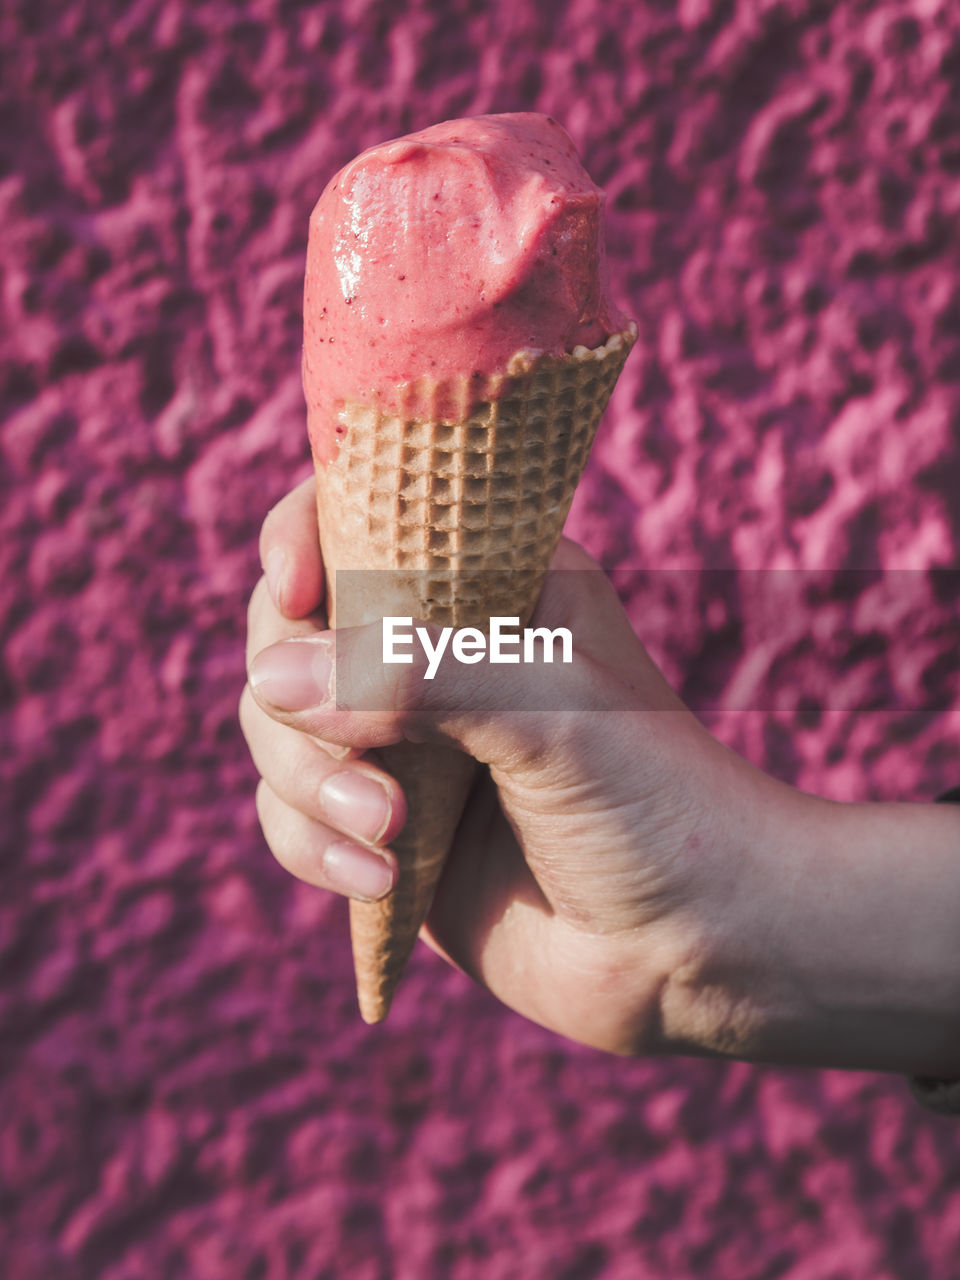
column 410, row 684
column 256, row 605
column 570, row 555
column 266, row 529
column 276, row 832
column 261, row 799
column 307, row 773
column 245, row 710
column 335, row 750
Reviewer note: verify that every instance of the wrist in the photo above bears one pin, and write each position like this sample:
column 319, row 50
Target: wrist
column 714, row 1000
column 841, row 946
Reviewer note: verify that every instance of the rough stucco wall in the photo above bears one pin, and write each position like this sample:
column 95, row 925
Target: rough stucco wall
column 186, row 1089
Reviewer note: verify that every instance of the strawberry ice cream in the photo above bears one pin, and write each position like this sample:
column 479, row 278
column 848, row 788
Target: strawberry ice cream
column 444, row 253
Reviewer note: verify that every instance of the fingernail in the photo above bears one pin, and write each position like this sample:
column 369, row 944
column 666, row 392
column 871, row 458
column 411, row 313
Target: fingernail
column 356, row 802
column 355, row 871
column 293, row 675
column 273, row 571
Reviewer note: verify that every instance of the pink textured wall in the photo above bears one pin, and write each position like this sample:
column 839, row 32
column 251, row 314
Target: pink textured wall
column 186, row 1090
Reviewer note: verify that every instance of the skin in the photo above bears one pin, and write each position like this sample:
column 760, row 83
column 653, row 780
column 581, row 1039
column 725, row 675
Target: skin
column 619, row 875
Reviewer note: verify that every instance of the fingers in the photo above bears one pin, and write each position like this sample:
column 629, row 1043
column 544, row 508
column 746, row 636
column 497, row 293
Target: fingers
column 335, row 685
column 290, row 552
column 320, row 856
column 319, row 807
column 355, row 797
column 266, row 626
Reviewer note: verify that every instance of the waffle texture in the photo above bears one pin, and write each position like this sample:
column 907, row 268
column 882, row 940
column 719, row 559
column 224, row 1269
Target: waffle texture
column 460, row 517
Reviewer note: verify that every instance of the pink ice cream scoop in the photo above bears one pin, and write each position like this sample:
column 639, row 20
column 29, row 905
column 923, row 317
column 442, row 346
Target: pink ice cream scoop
column 444, row 253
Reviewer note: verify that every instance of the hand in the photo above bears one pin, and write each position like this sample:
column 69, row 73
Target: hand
column 618, row 876
column 592, row 865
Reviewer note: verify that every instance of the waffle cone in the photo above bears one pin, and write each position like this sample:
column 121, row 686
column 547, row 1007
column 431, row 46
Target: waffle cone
column 460, row 513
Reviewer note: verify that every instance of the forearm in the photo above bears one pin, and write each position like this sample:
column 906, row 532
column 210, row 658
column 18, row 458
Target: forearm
column 842, row 946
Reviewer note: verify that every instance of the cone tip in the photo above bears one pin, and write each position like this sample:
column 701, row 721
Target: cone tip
column 374, row 1006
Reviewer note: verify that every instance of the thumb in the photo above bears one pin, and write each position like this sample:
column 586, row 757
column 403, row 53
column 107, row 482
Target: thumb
column 508, row 700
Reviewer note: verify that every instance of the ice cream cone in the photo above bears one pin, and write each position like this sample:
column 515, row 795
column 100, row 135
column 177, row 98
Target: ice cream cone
column 460, row 513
